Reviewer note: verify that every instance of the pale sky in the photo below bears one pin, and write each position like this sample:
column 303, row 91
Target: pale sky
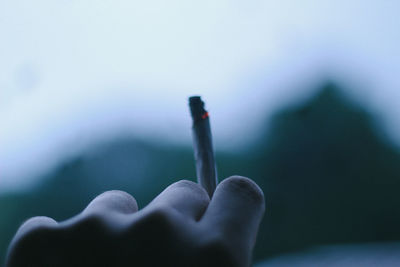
column 73, row 73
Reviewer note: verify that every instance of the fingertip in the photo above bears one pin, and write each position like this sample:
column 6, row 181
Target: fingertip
column 243, row 186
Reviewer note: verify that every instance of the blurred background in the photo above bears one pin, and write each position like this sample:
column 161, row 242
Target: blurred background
column 303, row 97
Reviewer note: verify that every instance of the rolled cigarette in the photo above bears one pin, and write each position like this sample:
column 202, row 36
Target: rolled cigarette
column 202, row 144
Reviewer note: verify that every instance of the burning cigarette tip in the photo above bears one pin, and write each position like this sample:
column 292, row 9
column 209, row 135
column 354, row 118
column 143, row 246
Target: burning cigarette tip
column 197, row 108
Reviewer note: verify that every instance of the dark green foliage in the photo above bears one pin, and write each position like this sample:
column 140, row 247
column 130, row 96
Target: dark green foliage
column 327, row 175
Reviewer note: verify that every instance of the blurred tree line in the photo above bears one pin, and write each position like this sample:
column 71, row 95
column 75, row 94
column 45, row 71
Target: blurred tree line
column 327, row 173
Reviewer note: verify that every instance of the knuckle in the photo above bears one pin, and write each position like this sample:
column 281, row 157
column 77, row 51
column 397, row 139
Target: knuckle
column 93, row 218
column 162, row 215
column 192, row 186
column 185, row 183
column 36, row 226
column 193, row 189
column 118, row 194
column 160, row 221
column 89, row 223
column 118, row 198
column 33, row 235
column 244, row 186
column 39, row 222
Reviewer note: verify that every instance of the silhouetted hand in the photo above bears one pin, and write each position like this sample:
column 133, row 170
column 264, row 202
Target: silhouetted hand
column 180, row 227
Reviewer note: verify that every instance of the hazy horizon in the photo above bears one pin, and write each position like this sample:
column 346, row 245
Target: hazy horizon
column 75, row 72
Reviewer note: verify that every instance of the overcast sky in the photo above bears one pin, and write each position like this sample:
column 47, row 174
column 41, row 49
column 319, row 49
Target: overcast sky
column 77, row 72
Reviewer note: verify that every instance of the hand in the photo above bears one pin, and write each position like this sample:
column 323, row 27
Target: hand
column 180, row 227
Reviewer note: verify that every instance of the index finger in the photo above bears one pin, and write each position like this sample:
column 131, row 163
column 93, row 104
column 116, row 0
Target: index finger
column 235, row 211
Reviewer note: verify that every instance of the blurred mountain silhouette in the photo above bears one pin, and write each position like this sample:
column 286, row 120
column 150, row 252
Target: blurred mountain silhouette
column 328, row 176
column 327, row 173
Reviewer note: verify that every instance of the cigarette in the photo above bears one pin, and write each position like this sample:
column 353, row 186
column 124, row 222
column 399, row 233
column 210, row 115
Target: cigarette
column 202, row 144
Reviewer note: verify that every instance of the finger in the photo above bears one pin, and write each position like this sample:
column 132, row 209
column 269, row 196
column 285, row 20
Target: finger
column 35, row 223
column 114, row 200
column 34, row 230
column 186, row 197
column 235, row 211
